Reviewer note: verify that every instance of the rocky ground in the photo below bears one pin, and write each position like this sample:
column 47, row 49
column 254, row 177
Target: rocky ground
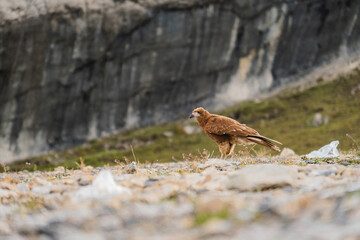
column 282, row 197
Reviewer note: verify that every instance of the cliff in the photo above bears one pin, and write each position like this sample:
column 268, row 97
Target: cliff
column 71, row 71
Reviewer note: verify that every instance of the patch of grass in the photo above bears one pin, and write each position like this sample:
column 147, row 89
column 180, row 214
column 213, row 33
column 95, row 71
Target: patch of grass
column 33, row 204
column 286, row 118
column 203, row 217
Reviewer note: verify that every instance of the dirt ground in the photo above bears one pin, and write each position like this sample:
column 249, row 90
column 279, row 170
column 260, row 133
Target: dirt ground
column 246, row 198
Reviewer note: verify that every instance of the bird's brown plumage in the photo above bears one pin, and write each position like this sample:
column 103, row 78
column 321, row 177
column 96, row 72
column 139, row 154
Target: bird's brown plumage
column 227, row 132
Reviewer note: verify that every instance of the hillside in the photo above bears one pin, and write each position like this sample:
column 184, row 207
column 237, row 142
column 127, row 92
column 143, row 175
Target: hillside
column 288, row 117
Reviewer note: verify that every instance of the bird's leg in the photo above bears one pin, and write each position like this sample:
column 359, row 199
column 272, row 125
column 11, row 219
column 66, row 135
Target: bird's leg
column 221, row 156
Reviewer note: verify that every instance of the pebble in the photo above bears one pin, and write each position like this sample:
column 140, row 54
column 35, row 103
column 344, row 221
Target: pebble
column 150, row 181
column 83, row 182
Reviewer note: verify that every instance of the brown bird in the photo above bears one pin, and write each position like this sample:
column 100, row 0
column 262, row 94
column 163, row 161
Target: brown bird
column 227, row 132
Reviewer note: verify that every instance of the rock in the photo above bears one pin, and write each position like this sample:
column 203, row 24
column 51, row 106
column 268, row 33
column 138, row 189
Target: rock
column 41, row 190
column 87, row 169
column 6, row 193
column 216, row 226
column 130, row 168
column 319, row 120
column 59, row 169
column 345, row 163
column 262, row 176
column 191, row 129
column 355, row 90
column 212, row 205
column 4, row 228
column 103, row 187
column 327, row 173
column 150, row 181
column 289, row 154
column 23, row 187
column 83, row 182
column 146, row 56
column 154, row 194
column 168, row 134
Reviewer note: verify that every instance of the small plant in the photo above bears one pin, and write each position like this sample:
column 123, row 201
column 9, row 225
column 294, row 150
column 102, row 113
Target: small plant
column 4, row 167
column 134, row 156
column 81, row 165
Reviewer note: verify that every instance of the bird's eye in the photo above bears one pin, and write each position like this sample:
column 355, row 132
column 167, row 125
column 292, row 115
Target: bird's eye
column 198, row 112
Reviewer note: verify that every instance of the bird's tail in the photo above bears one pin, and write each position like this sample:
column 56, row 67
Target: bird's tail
column 268, row 142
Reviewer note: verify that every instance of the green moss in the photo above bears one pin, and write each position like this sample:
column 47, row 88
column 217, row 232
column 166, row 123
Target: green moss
column 203, row 217
column 286, row 118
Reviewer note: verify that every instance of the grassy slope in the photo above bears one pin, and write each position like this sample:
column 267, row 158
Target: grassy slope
column 286, row 118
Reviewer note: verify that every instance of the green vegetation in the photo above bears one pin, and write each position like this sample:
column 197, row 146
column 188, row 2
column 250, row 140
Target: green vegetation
column 287, row 118
column 204, row 217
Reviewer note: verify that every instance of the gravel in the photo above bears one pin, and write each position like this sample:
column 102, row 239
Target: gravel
column 184, row 200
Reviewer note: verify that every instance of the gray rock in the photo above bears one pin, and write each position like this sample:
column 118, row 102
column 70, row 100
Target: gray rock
column 319, row 120
column 262, row 176
column 150, row 181
column 83, row 182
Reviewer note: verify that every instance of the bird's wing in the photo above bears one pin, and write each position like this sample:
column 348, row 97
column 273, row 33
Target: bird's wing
column 221, row 125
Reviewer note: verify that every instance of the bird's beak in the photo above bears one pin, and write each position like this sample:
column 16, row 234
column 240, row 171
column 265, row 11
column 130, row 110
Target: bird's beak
column 191, row 115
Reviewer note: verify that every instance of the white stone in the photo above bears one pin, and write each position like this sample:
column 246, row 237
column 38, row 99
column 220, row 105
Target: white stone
column 261, row 176
column 103, row 187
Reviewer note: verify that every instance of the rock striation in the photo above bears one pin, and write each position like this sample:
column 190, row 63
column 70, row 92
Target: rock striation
column 74, row 70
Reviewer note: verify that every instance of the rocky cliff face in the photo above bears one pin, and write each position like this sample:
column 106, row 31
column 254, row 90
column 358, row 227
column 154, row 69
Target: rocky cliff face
column 76, row 70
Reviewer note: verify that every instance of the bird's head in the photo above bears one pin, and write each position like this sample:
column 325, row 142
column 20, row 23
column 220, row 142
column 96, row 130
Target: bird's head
column 199, row 113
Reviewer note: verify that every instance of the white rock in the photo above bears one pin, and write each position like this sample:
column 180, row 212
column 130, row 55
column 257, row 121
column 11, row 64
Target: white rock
column 103, row 187
column 4, row 228
column 191, row 129
column 254, row 177
column 6, row 193
column 168, row 134
column 42, row 190
column 317, row 120
column 23, row 187
column 289, row 154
